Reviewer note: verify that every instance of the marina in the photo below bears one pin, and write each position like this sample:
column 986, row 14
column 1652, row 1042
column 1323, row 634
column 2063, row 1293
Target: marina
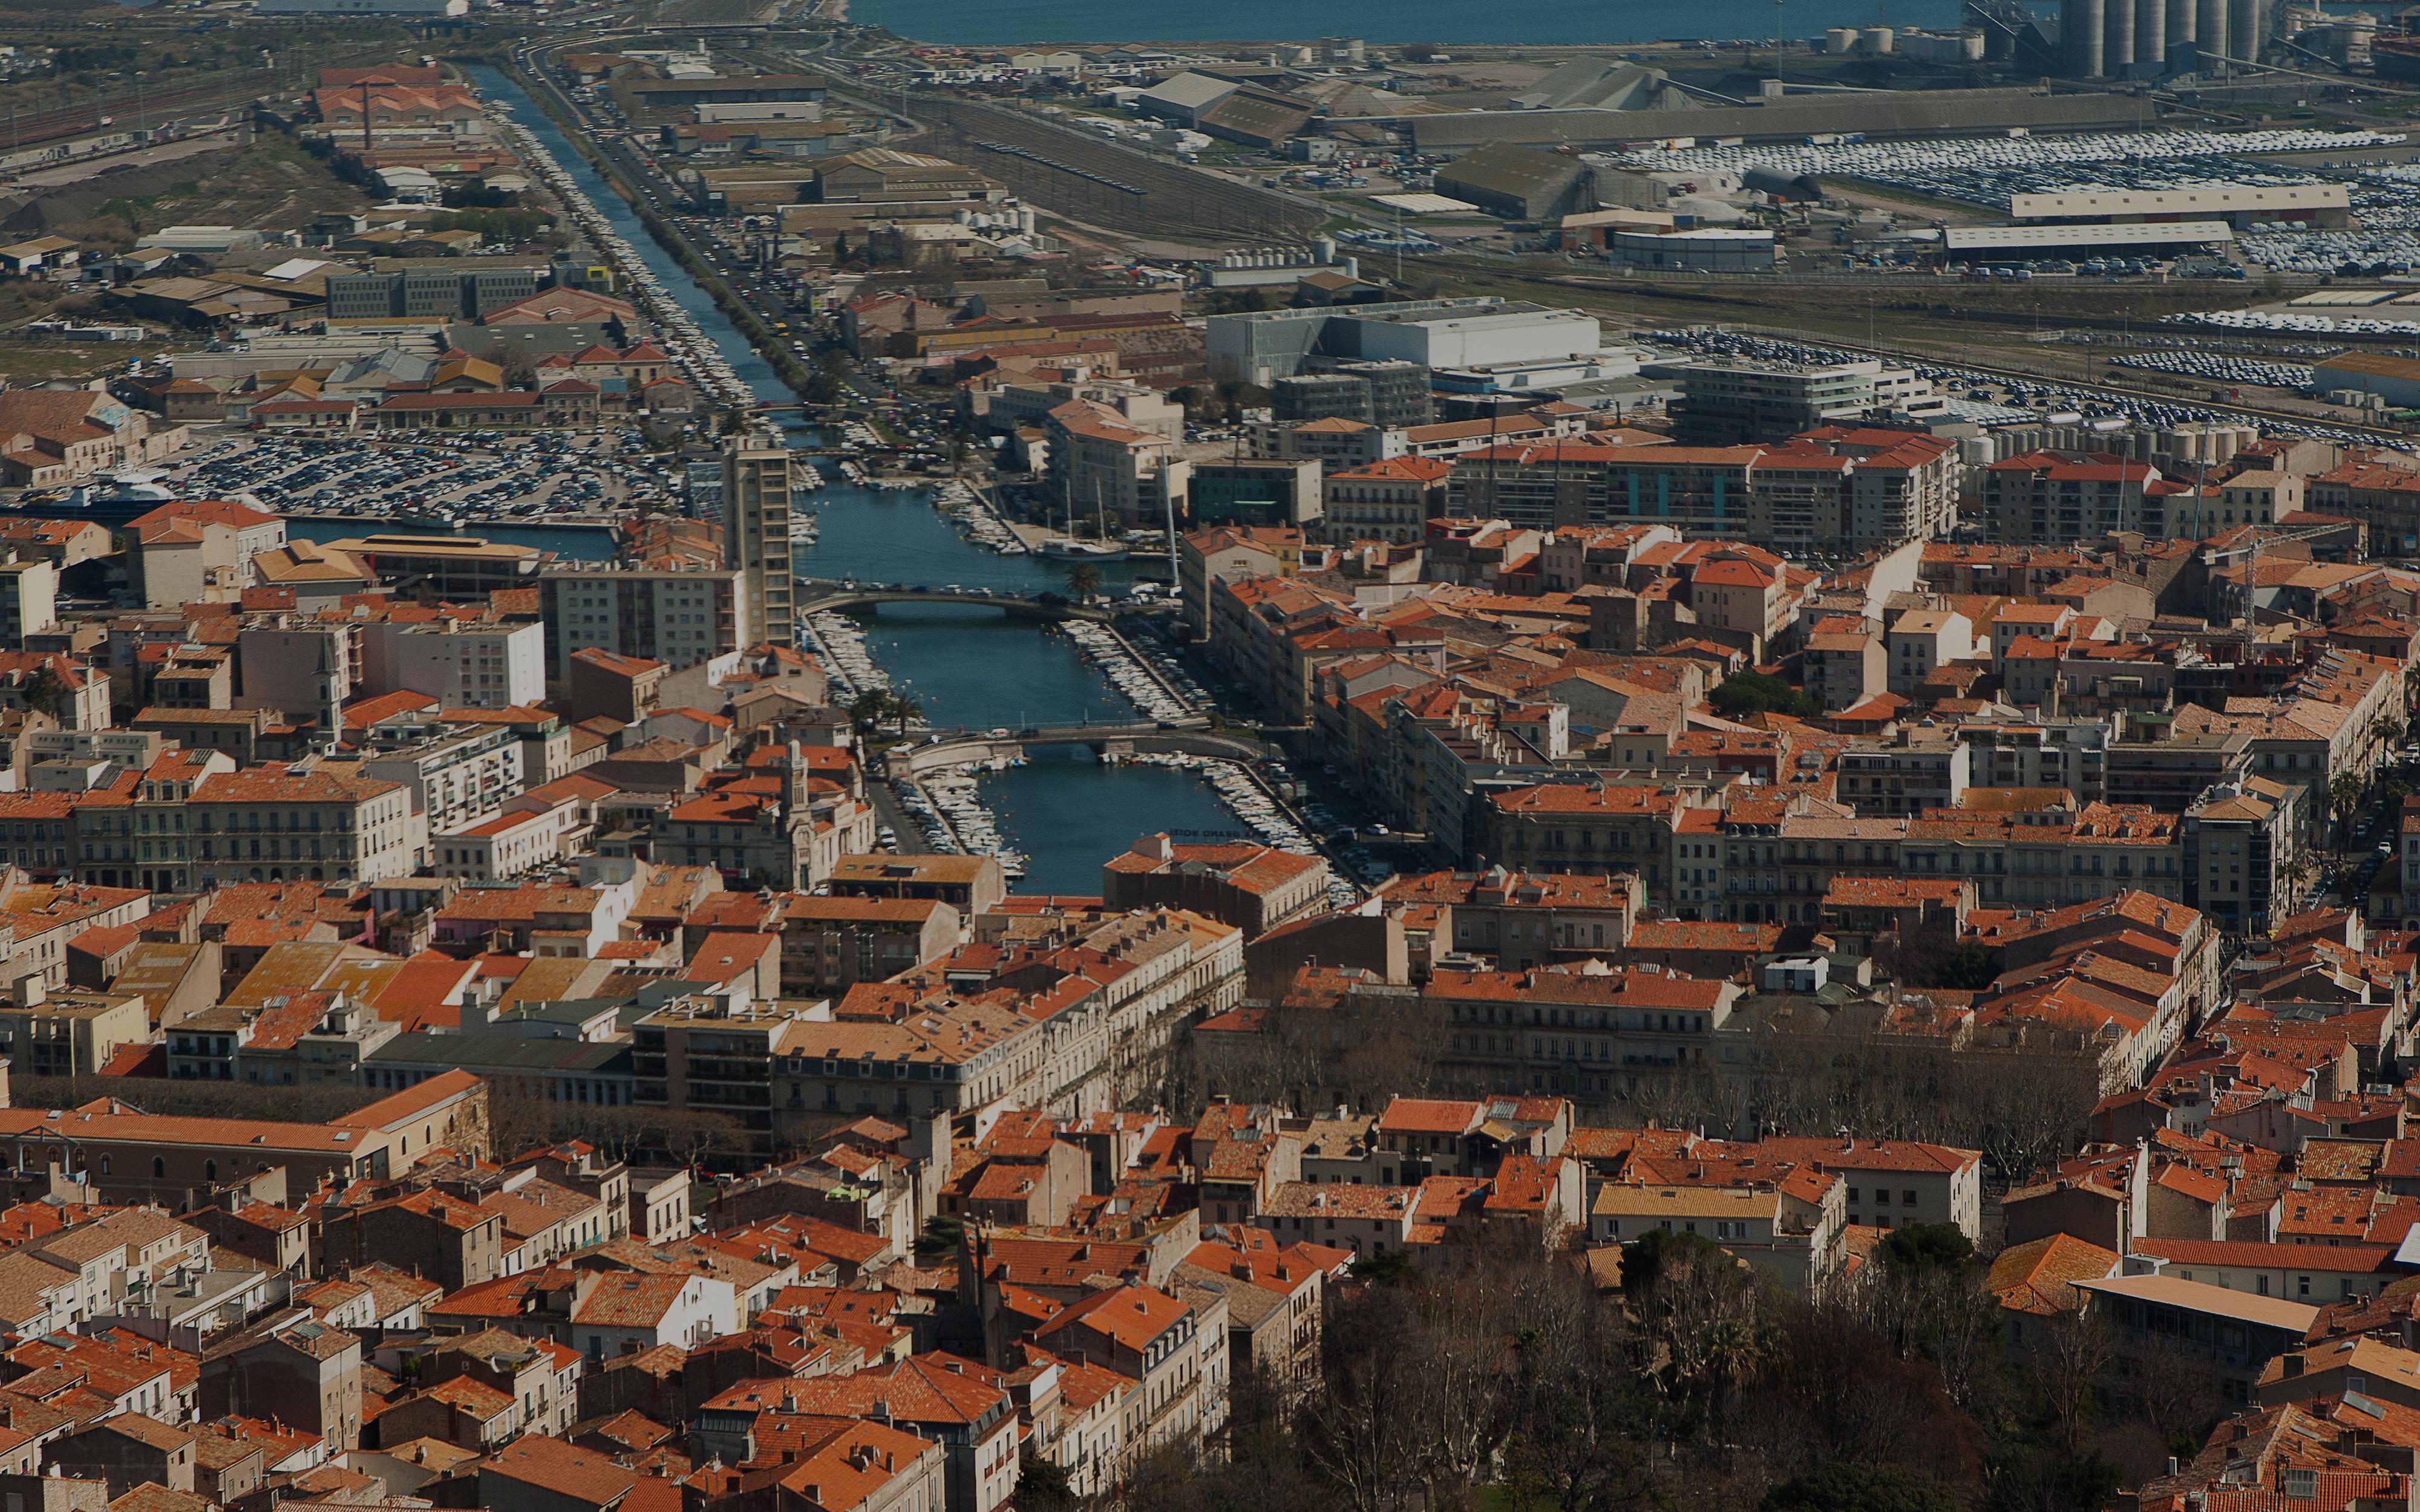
column 1064, row 812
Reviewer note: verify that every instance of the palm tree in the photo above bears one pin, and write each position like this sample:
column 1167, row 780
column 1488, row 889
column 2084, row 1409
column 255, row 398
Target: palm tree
column 2344, row 799
column 1083, row 581
column 905, row 711
column 870, row 707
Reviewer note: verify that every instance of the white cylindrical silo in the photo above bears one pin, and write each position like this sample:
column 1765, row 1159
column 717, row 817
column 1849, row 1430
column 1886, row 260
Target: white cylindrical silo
column 2117, row 36
column 1839, row 38
column 1875, row 40
column 2080, row 28
column 2150, row 34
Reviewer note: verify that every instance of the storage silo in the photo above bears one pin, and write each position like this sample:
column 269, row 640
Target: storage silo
column 2243, row 32
column 2117, row 36
column 2209, row 32
column 1875, row 40
column 1839, row 38
column 2080, row 26
column 2181, row 21
column 2150, row 34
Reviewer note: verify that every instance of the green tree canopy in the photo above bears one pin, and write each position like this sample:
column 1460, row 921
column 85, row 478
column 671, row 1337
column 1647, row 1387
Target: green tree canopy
column 1928, row 1248
column 1746, row 693
column 1856, row 1488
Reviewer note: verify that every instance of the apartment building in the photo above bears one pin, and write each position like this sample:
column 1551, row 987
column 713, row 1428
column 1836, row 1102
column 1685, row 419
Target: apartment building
column 1587, row 828
column 707, row 1055
column 283, row 821
column 1731, row 400
column 2051, row 856
column 1915, row 770
column 829, row 945
column 458, row 776
column 1579, row 1034
column 137, row 831
column 1391, row 500
column 756, row 480
column 2053, row 498
column 471, row 664
column 678, row 618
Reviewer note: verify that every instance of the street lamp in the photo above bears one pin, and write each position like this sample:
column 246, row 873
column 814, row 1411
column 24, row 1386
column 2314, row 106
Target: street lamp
column 141, row 114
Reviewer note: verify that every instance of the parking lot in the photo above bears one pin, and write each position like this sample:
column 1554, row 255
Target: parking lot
column 2000, row 397
column 478, row 476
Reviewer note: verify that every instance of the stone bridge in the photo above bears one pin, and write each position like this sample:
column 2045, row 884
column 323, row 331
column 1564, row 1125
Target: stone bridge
column 1189, row 737
column 815, row 594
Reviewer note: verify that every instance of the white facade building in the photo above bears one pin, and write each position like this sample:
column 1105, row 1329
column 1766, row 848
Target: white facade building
column 462, row 664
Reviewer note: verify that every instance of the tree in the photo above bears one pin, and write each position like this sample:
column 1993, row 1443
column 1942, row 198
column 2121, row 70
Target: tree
column 2344, row 799
column 1971, row 967
column 47, row 691
column 1359, row 1433
column 1420, row 51
column 1574, row 1447
column 1746, row 693
column 1042, row 1485
column 1930, row 1305
column 939, row 1237
column 1701, row 1328
column 1084, row 582
column 905, row 711
column 870, row 707
column 1851, row 1488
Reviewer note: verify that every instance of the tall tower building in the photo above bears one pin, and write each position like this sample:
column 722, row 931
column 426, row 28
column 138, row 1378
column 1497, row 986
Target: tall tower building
column 756, row 532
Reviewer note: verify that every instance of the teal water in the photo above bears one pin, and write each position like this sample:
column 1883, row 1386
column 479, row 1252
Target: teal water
column 966, row 666
column 983, row 22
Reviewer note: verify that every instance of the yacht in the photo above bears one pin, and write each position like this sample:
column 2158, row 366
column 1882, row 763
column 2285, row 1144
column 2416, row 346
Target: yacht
column 1067, row 549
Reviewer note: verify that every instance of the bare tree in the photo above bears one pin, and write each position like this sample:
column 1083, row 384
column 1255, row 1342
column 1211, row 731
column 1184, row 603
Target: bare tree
column 1359, row 1433
column 2070, row 1366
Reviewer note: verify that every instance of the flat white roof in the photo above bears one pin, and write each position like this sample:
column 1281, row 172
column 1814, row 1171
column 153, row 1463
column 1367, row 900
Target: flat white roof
column 2206, row 199
column 2064, row 234
column 1709, row 234
column 1426, row 204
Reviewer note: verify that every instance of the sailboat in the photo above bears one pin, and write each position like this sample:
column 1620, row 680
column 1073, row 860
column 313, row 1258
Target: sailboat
column 1066, row 547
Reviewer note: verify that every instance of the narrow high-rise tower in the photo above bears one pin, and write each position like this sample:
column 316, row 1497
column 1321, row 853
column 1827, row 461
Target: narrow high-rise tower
column 756, row 532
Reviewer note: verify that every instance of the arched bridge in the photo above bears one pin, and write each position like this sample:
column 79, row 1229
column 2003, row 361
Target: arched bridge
column 1189, row 737
column 815, row 594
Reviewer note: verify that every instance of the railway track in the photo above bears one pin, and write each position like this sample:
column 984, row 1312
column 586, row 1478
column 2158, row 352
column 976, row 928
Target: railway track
column 1085, row 178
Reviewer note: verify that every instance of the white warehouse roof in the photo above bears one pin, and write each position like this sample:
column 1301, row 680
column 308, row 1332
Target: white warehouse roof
column 2208, row 199
column 2067, row 234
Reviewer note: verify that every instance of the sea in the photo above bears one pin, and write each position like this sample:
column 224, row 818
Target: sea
column 1518, row 22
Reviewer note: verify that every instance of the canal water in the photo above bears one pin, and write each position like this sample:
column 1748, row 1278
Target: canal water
column 966, row 666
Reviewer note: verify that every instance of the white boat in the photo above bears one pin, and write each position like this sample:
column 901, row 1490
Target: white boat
column 1067, row 549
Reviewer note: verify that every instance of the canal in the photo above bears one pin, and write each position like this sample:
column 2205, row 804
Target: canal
column 967, row 667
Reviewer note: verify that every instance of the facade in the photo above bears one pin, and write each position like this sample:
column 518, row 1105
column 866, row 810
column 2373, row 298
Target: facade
column 756, row 478
column 461, row 664
column 430, row 293
column 276, row 822
column 1729, row 401
column 2051, row 499
column 677, row 618
column 829, row 945
column 1390, row 501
